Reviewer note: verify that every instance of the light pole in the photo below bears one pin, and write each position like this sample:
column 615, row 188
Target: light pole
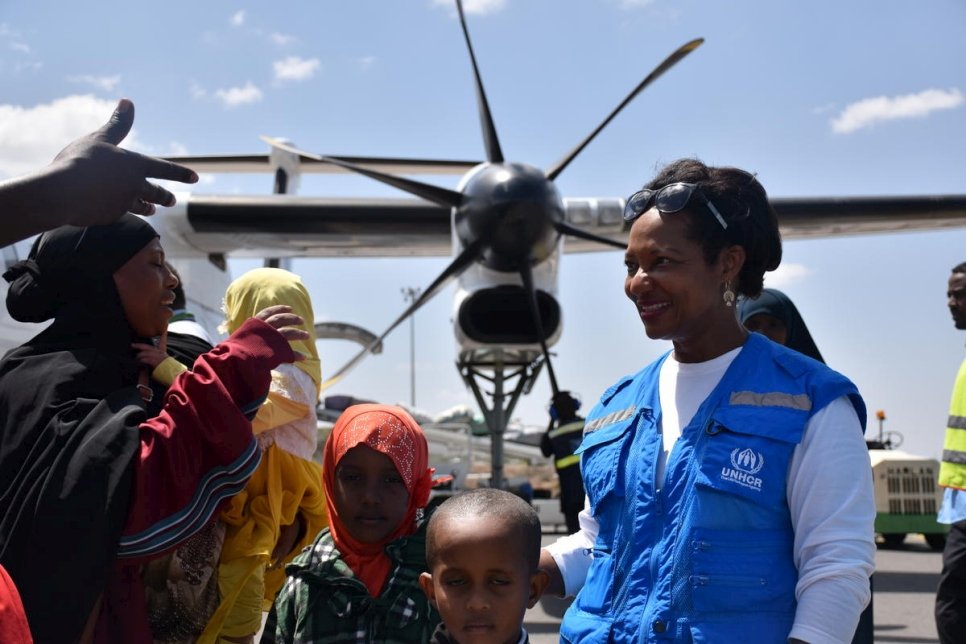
column 410, row 294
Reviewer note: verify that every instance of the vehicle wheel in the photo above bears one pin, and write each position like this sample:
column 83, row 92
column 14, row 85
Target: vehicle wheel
column 893, row 540
column 936, row 540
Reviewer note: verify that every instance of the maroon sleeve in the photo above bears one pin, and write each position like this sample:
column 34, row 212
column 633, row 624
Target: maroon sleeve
column 13, row 620
column 200, row 450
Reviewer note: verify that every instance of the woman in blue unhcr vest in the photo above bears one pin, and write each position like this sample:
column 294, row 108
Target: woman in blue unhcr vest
column 728, row 483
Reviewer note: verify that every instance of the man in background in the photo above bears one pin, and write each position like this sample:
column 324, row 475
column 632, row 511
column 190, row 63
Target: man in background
column 951, row 594
column 561, row 440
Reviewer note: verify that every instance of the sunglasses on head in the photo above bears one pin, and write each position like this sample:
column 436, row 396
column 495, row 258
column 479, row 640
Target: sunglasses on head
column 671, row 198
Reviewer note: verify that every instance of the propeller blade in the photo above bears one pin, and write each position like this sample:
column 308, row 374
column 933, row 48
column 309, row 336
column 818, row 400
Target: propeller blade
column 493, row 152
column 667, row 64
column 440, row 196
column 566, row 229
column 451, row 272
column 527, row 274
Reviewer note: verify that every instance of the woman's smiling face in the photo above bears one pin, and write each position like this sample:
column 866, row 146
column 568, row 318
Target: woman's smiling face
column 676, row 292
column 145, row 285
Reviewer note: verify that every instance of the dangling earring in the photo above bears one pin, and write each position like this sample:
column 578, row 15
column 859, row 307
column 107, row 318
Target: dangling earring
column 729, row 295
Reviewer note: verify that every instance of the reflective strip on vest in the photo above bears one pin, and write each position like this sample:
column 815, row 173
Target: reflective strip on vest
column 567, row 428
column 771, row 399
column 952, row 469
column 567, row 461
column 610, row 419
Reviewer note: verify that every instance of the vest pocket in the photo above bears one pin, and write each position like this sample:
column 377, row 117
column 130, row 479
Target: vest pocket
column 601, row 464
column 734, row 571
column 580, row 626
column 749, row 460
column 596, row 594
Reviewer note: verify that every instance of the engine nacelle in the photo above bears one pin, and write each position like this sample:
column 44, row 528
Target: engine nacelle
column 491, row 308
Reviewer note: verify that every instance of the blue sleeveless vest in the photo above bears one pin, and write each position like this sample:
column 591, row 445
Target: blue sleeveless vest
column 708, row 558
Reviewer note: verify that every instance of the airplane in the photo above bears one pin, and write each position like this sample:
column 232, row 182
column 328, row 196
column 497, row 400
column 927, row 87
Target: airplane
column 505, row 226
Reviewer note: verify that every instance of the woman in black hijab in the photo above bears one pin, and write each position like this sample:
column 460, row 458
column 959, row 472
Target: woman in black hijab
column 774, row 315
column 89, row 487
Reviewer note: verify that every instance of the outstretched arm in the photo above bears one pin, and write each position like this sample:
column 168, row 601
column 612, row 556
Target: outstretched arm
column 92, row 181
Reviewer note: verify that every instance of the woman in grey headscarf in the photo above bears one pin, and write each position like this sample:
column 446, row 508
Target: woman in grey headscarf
column 774, row 315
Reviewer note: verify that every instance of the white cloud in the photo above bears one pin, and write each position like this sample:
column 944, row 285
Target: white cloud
column 106, row 83
column 871, row 111
column 237, row 19
column 30, row 137
column 22, row 47
column 294, row 68
column 634, row 4
column 282, row 39
column 479, row 7
column 367, row 61
column 235, row 96
column 786, row 275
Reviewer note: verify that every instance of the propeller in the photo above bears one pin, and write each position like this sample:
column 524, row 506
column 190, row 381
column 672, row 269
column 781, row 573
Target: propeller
column 507, row 216
column 493, row 152
column 665, row 65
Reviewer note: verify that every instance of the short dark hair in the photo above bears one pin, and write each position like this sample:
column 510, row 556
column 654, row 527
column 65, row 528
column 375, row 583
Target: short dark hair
column 494, row 505
column 742, row 201
column 959, row 268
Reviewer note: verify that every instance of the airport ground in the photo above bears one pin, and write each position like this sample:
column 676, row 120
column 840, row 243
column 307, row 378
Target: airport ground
column 905, row 588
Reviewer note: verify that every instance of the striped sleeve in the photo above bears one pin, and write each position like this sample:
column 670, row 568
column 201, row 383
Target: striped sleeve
column 200, row 451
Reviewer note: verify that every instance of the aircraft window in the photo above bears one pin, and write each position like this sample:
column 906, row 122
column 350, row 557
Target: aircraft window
column 579, row 213
column 610, row 212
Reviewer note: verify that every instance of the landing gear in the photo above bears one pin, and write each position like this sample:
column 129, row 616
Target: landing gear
column 511, row 373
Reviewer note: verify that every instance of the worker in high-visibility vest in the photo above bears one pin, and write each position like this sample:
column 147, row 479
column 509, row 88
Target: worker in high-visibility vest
column 561, row 440
column 951, row 594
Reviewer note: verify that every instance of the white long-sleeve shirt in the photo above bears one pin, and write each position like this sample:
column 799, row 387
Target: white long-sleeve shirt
column 830, row 500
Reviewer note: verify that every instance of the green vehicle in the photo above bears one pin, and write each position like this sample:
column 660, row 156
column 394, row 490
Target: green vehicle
column 907, row 497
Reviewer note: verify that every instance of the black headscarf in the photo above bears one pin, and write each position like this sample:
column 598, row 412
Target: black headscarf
column 775, row 303
column 69, row 417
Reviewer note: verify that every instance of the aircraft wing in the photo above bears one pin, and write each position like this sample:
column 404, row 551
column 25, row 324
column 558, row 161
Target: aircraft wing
column 262, row 163
column 298, row 226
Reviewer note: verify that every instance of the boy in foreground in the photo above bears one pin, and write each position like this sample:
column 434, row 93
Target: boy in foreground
column 482, row 551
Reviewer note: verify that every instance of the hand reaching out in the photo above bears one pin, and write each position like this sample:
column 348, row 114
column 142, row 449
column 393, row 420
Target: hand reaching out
column 100, row 181
column 90, row 182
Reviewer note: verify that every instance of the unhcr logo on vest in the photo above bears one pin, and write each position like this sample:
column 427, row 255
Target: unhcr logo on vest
column 745, row 463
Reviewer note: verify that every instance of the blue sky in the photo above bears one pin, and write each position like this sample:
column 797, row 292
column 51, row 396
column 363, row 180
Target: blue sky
column 818, row 98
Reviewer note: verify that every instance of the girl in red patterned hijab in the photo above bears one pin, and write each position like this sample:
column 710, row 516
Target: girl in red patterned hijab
column 376, row 476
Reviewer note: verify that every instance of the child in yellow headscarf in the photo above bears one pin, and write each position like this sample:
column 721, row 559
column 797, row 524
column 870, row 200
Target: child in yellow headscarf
column 283, row 506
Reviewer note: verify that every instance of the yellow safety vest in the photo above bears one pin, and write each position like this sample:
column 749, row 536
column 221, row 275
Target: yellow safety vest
column 952, row 470
column 567, row 428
